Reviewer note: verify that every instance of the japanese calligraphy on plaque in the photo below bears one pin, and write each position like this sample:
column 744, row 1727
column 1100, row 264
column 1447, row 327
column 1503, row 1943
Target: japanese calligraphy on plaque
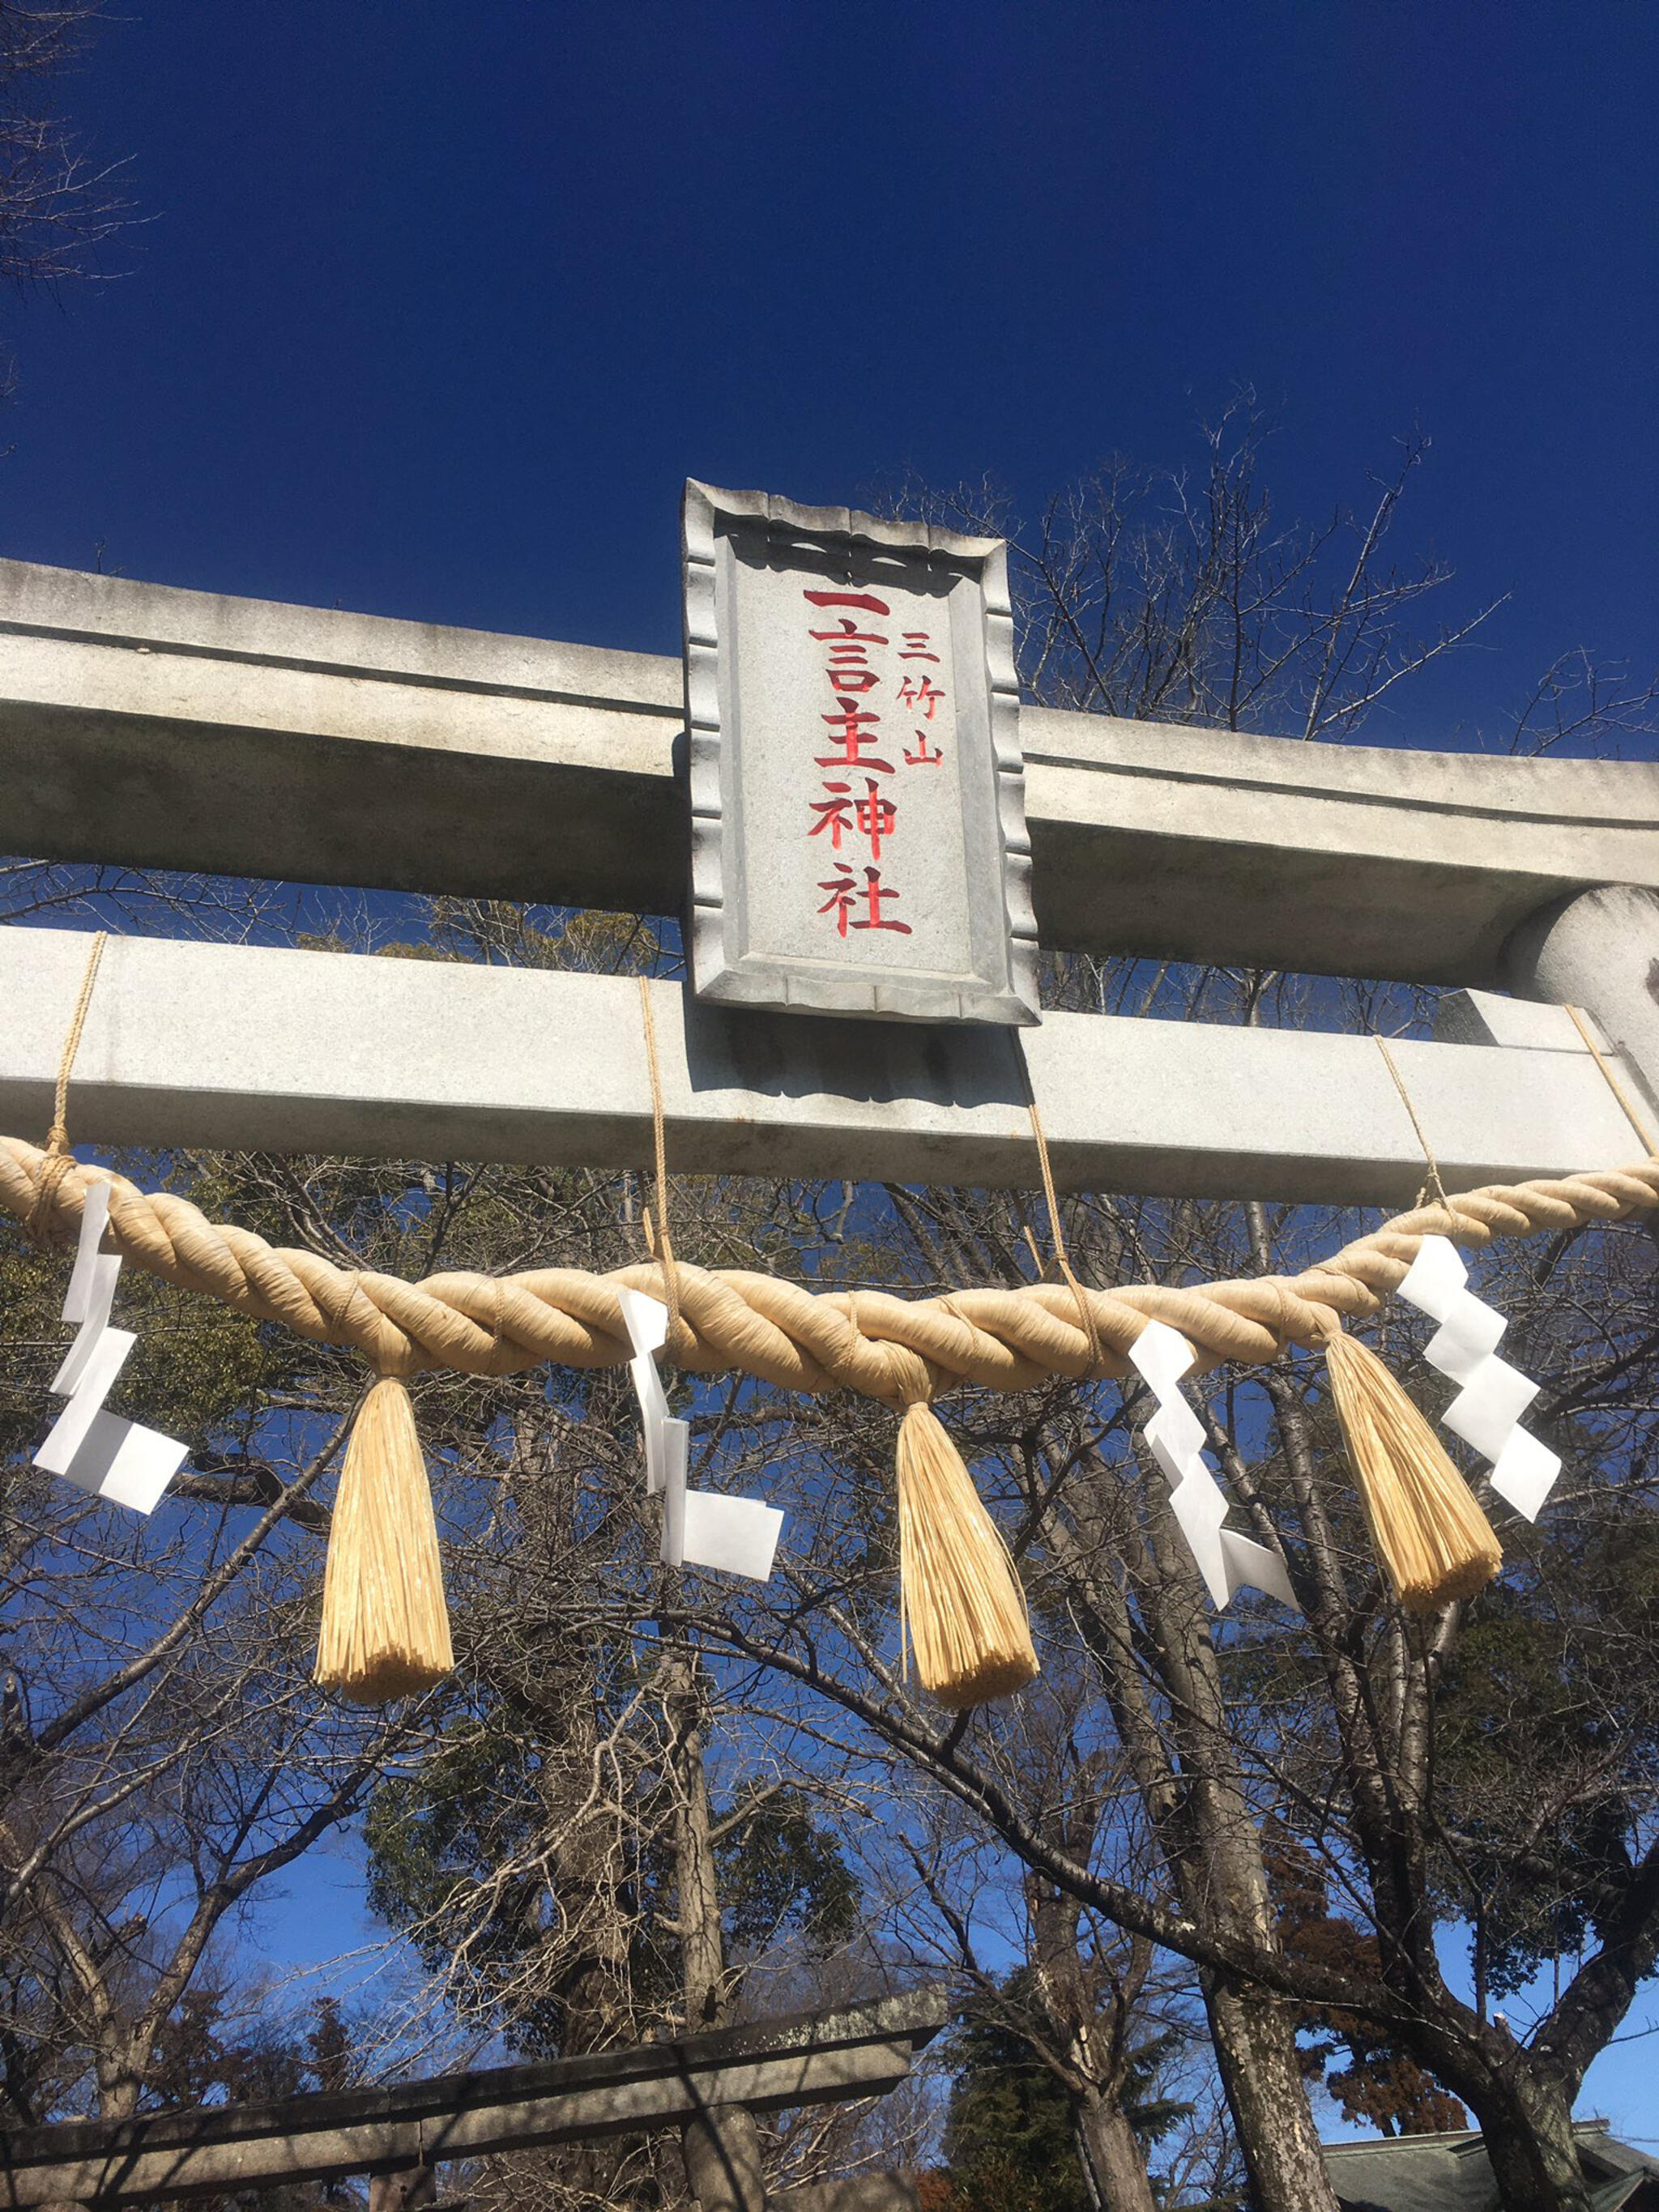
column 858, row 811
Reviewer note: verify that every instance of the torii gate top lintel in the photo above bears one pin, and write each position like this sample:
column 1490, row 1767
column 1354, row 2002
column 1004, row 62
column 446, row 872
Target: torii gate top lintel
column 152, row 727
column 148, row 726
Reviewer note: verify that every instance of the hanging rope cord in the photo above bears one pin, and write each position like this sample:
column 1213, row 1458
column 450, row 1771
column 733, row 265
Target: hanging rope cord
column 1613, row 1084
column 1434, row 1184
column 1433, row 1188
column 660, row 1242
column 1056, row 1227
column 59, row 1159
column 734, row 1321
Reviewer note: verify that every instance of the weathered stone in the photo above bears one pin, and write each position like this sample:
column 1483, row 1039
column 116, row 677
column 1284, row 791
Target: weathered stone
column 852, row 2192
column 723, row 2161
column 1600, row 952
column 857, row 817
column 862, row 2051
column 409, row 2189
column 316, row 1052
column 151, row 728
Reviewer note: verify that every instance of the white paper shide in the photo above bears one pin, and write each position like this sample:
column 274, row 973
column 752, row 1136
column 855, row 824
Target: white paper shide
column 100, row 1452
column 1486, row 1411
column 1227, row 1561
column 700, row 1527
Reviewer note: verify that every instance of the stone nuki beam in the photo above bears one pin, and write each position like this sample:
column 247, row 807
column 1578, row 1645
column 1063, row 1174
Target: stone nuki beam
column 807, row 2059
column 344, row 1053
column 155, row 727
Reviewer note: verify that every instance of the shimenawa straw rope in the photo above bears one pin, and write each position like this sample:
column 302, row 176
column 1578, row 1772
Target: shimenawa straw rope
column 385, row 1627
column 1007, row 1339
column 961, row 1600
column 962, row 1609
column 735, row 1321
column 1429, row 1535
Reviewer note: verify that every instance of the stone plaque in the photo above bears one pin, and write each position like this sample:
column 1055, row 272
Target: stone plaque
column 857, row 805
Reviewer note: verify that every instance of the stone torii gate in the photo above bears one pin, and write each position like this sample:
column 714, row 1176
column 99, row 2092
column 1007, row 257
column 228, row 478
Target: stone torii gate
column 153, row 727
column 398, row 2134
column 149, row 727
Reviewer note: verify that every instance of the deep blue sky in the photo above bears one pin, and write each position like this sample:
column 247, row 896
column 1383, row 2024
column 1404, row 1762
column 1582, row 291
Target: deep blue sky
column 438, row 306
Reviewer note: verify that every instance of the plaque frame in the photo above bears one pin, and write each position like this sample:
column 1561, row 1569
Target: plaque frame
column 999, row 983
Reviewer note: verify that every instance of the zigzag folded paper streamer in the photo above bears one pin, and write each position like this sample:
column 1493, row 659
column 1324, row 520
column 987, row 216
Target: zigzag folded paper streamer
column 1227, row 1561
column 100, row 1452
column 700, row 1527
column 1487, row 1410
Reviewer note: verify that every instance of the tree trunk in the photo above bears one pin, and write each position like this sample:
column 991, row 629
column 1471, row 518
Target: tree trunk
column 1526, row 2125
column 1256, row 2053
column 1525, row 2112
column 1216, row 1850
column 1113, row 2164
column 700, row 1947
column 721, row 2147
column 1090, row 2011
column 589, row 1946
column 584, row 1963
column 1205, row 1828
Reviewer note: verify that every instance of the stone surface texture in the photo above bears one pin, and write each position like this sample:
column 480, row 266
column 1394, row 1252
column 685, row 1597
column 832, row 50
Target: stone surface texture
column 153, row 727
column 315, row 1052
column 1599, row 952
column 857, row 822
column 834, row 2057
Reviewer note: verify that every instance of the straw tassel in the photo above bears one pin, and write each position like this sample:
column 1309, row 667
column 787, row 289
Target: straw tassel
column 961, row 1604
column 1432, row 1539
column 384, row 1629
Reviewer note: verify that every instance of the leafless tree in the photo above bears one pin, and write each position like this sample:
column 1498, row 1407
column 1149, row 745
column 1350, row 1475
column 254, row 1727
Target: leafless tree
column 59, row 208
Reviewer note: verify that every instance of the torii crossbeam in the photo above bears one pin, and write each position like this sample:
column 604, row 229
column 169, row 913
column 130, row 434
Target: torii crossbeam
column 145, row 726
column 808, row 2059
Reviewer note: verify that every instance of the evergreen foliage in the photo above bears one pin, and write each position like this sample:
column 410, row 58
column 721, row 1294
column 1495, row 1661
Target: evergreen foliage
column 438, row 1838
column 1010, row 2128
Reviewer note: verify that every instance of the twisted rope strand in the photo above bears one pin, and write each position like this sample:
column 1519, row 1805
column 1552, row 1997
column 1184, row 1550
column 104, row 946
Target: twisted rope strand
column 661, row 1243
column 1611, row 1081
column 1057, row 1233
column 38, row 1220
column 754, row 1324
column 1433, row 1186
